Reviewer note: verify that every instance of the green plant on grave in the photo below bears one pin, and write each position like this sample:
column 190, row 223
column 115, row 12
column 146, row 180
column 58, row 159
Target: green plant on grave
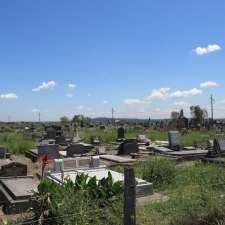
column 54, row 202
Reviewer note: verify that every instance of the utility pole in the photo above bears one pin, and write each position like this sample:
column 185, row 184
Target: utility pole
column 39, row 116
column 113, row 115
column 212, row 100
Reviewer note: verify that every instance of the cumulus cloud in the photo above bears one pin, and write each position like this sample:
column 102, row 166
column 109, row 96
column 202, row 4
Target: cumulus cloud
column 71, row 86
column 208, row 84
column 45, row 85
column 206, row 50
column 134, row 101
column 186, row 93
column 161, row 93
column 8, row 96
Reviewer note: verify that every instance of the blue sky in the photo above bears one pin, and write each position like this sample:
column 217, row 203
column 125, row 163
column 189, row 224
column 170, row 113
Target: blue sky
column 142, row 57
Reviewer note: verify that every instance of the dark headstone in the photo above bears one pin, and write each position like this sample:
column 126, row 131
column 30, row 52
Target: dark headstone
column 120, row 133
column 76, row 149
column 61, row 140
column 51, row 150
column 174, row 140
column 3, row 152
column 128, row 146
column 13, row 169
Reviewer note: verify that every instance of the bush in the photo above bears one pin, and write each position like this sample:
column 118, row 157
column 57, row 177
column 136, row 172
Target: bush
column 160, row 171
column 84, row 202
column 16, row 143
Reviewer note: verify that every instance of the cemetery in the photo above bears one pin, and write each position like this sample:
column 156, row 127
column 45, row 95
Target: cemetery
column 161, row 161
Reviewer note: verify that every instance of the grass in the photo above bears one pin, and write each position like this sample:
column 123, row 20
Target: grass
column 110, row 134
column 196, row 194
column 15, row 143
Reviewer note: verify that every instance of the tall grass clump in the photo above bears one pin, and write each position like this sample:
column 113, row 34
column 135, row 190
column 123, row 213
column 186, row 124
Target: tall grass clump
column 15, row 143
column 160, row 171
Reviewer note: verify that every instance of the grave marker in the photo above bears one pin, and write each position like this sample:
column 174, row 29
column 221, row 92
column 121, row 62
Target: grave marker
column 174, row 140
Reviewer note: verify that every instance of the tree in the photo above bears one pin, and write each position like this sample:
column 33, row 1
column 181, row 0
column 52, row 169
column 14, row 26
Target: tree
column 199, row 115
column 64, row 120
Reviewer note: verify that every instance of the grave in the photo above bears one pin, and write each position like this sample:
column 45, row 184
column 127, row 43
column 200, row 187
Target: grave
column 143, row 140
column 51, row 150
column 9, row 168
column 143, row 188
column 117, row 159
column 219, row 146
column 174, row 140
column 16, row 193
column 77, row 162
column 128, row 146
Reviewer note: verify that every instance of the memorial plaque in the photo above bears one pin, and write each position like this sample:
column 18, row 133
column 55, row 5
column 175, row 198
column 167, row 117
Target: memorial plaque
column 51, row 150
column 174, row 140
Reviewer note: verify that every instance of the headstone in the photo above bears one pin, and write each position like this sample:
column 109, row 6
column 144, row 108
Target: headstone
column 2, row 153
column 51, row 150
column 76, row 149
column 13, row 169
column 58, row 165
column 128, row 146
column 219, row 146
column 95, row 162
column 120, row 133
column 174, row 140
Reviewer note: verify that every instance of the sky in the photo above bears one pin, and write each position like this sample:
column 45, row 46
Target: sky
column 144, row 58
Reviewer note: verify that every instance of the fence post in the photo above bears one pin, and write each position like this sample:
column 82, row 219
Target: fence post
column 129, row 197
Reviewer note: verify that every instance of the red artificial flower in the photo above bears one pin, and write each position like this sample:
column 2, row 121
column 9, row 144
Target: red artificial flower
column 46, row 159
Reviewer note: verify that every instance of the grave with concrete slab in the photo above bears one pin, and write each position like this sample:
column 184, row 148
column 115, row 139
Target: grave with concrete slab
column 128, row 146
column 143, row 188
column 16, row 193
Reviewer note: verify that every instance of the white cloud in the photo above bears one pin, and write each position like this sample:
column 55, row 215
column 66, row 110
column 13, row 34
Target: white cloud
column 206, row 50
column 72, row 86
column 208, row 84
column 134, row 101
column 45, row 85
column 186, row 93
column 69, row 95
column 161, row 93
column 8, row 96
column 105, row 102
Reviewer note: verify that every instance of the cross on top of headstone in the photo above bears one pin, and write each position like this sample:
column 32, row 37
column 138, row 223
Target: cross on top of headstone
column 174, row 140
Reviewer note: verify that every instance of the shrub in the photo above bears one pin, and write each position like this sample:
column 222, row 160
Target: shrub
column 16, row 143
column 160, row 171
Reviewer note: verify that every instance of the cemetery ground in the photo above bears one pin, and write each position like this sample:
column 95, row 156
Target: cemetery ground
column 196, row 191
